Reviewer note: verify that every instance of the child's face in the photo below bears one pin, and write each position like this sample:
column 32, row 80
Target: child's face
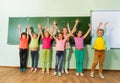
column 60, row 36
column 24, row 36
column 35, row 36
column 65, row 31
column 46, row 34
column 100, row 33
column 79, row 34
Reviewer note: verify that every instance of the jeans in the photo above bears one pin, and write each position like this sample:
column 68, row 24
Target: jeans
column 23, row 54
column 34, row 56
column 59, row 60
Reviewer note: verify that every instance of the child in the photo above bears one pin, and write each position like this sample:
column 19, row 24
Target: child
column 79, row 49
column 23, row 48
column 99, row 44
column 34, row 49
column 60, row 43
column 46, row 50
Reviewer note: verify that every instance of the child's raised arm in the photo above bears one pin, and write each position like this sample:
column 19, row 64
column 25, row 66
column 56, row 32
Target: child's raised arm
column 19, row 30
column 55, row 27
column 51, row 33
column 29, row 30
column 105, row 25
column 40, row 28
column 75, row 25
column 68, row 27
column 99, row 25
column 86, row 34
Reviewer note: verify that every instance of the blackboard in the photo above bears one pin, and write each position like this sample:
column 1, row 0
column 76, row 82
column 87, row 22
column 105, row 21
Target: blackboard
column 13, row 38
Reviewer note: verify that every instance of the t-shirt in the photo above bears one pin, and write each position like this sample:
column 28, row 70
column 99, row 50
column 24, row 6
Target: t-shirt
column 23, row 43
column 79, row 42
column 60, row 45
column 99, row 43
column 46, row 43
column 33, row 43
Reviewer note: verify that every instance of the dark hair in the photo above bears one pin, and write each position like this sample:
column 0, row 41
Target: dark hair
column 100, row 30
column 35, row 34
column 23, row 33
column 61, row 34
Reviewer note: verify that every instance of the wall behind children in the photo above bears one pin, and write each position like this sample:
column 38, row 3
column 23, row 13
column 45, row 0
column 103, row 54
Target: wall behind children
column 24, row 8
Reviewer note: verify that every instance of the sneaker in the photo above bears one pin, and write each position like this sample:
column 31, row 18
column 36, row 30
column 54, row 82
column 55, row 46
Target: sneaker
column 43, row 71
column 55, row 73
column 66, row 71
column 81, row 74
column 35, row 70
column 92, row 74
column 48, row 71
column 59, row 73
column 62, row 71
column 101, row 75
column 23, row 69
column 77, row 74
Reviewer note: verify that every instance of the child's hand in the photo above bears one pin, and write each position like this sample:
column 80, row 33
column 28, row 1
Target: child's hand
column 54, row 22
column 105, row 23
column 100, row 23
column 68, row 24
column 28, row 26
column 39, row 26
column 89, row 25
column 76, row 21
column 48, row 29
column 19, row 26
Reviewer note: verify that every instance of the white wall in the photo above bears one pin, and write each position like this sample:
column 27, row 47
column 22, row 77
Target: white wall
column 23, row 8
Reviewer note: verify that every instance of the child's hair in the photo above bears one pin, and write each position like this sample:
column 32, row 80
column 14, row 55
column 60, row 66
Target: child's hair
column 77, row 32
column 61, row 34
column 24, row 33
column 64, row 28
column 35, row 34
column 100, row 30
column 46, row 32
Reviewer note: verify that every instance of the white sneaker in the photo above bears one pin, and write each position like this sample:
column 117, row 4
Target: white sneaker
column 81, row 74
column 77, row 74
column 101, row 75
column 55, row 73
column 66, row 71
column 62, row 71
column 92, row 74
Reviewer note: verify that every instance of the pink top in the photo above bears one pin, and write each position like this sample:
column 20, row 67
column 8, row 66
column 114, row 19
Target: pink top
column 60, row 45
column 67, row 44
column 46, row 43
column 79, row 42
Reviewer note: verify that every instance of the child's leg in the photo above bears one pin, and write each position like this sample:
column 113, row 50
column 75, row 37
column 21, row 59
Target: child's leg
column 96, row 58
column 81, row 58
column 36, row 59
column 48, row 59
column 60, row 61
column 43, row 59
column 102, row 56
column 77, row 60
column 67, row 55
column 32, row 56
column 21, row 57
column 57, row 60
column 25, row 58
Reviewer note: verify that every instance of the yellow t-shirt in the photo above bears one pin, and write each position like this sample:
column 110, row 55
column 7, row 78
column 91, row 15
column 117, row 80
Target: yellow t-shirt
column 99, row 44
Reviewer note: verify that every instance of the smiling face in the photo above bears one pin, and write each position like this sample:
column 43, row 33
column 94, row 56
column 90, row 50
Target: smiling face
column 60, row 36
column 35, row 36
column 24, row 35
column 100, row 32
column 64, row 30
column 79, row 33
column 46, row 35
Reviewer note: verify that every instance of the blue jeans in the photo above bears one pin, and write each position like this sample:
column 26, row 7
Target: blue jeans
column 59, row 60
column 34, row 56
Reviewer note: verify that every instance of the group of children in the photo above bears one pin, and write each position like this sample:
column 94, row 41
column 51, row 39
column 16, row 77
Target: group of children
column 62, row 48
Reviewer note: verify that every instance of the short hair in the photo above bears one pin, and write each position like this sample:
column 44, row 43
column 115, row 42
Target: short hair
column 100, row 30
column 23, row 33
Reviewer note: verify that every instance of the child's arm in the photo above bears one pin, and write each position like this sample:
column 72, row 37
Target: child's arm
column 40, row 28
column 105, row 25
column 75, row 25
column 51, row 33
column 86, row 34
column 29, row 30
column 55, row 27
column 99, row 25
column 68, row 27
column 19, row 30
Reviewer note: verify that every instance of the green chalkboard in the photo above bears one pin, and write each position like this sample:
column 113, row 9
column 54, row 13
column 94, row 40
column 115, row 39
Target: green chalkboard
column 13, row 37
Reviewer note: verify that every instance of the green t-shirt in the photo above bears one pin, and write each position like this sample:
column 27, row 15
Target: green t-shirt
column 33, row 43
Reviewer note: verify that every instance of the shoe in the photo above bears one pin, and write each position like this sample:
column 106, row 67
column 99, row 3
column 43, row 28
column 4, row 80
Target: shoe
column 23, row 69
column 92, row 74
column 66, row 71
column 35, row 70
column 55, row 73
column 48, row 71
column 81, row 74
column 77, row 74
column 62, row 71
column 59, row 74
column 101, row 75
column 43, row 71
